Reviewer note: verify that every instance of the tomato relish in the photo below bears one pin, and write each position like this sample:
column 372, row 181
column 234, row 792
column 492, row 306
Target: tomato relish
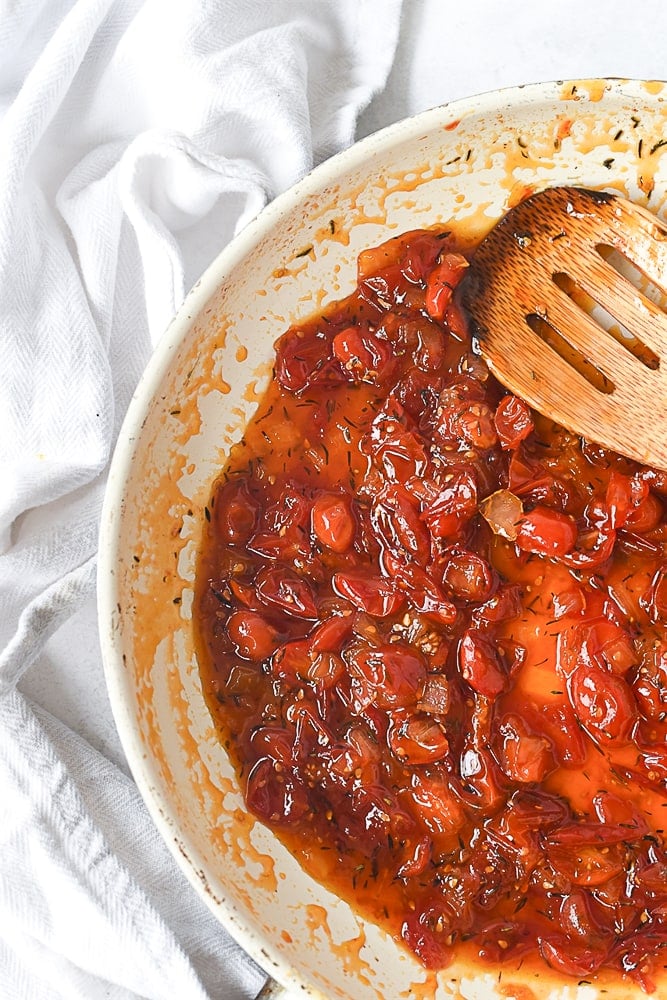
column 431, row 627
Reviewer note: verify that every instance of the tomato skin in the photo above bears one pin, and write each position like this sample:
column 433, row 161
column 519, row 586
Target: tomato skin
column 526, row 757
column 292, row 661
column 457, row 321
column 362, row 355
column 396, row 521
column 504, row 605
column 441, row 283
column 646, row 516
column 601, row 641
column 302, row 362
column 426, row 933
column 560, row 725
column 447, row 507
column 234, row 513
column 333, row 522
column 331, row 634
column 415, row 252
column 418, row 857
column 546, row 532
column 283, row 589
column 374, row 595
column 603, row 703
column 435, row 805
column 469, row 576
column 394, row 674
column 252, row 636
column 588, row 865
column 467, row 425
column 559, row 952
column 417, row 739
column 420, row 257
column 654, row 600
column 394, row 443
column 513, row 420
column 650, row 682
column 423, row 593
column 480, row 664
column 623, row 495
column 283, row 530
column 274, row 795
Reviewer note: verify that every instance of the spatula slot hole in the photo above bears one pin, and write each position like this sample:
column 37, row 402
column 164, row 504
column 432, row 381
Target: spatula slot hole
column 605, row 320
column 627, row 269
column 574, row 358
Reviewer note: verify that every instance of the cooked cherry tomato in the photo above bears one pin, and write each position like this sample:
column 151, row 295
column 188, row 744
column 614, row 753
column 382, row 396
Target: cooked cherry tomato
column 468, row 576
column 417, row 739
column 603, row 703
column 525, row 756
column 513, row 420
column 371, row 594
column 333, row 521
column 546, row 532
column 251, row 634
column 480, row 664
column 283, row 589
column 360, row 353
column 646, row 516
column 441, row 283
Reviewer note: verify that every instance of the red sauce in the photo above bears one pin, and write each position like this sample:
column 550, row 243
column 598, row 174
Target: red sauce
column 432, row 633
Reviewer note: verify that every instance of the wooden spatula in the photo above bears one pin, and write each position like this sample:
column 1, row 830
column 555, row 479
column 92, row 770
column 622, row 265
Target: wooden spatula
column 563, row 322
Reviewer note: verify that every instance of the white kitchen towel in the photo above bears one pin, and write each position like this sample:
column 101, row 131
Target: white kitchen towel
column 136, row 137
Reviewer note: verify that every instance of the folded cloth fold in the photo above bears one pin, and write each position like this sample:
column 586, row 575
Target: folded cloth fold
column 137, row 138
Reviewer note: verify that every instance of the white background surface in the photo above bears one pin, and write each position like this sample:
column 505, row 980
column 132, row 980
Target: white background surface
column 446, row 50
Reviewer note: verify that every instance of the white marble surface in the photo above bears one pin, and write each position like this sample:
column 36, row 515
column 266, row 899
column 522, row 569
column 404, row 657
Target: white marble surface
column 446, row 51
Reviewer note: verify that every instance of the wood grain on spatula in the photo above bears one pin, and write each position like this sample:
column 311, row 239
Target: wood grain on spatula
column 536, row 288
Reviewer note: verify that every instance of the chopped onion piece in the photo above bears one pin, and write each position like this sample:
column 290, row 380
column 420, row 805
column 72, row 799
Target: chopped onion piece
column 503, row 511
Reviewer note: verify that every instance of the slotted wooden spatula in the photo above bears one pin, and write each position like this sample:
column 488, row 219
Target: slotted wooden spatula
column 562, row 326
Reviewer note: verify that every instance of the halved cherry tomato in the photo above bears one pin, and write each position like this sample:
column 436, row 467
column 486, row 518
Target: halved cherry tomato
column 362, row 355
column 603, row 703
column 435, row 805
column 282, row 588
column 650, row 681
column 333, row 522
column 574, row 960
column 480, row 664
column 234, row 512
column 427, row 932
column 513, row 420
column 646, row 516
column 525, row 756
column 274, row 794
column 393, row 672
column 417, row 739
column 396, row 521
column 468, row 576
column 252, row 636
column 441, row 283
column 448, row 505
column 374, row 595
column 546, row 532
column 623, row 495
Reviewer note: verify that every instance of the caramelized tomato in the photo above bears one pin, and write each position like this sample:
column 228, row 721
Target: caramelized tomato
column 431, row 628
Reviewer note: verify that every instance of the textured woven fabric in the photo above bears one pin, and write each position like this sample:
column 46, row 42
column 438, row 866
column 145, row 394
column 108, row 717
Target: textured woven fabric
column 135, row 139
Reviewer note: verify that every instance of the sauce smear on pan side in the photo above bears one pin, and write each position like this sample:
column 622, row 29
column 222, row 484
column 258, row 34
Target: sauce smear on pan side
column 431, row 628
